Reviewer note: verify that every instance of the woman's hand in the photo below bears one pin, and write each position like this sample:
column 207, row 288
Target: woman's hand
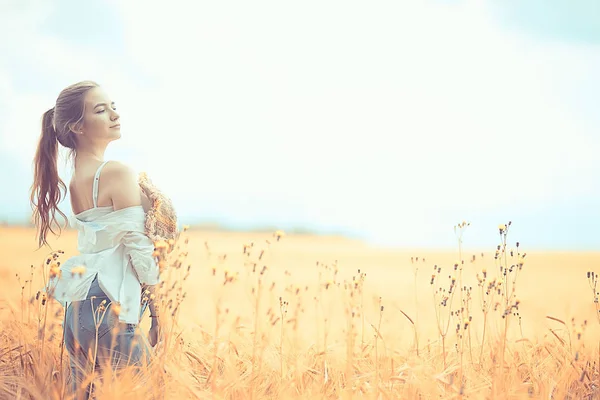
column 154, row 335
column 146, row 202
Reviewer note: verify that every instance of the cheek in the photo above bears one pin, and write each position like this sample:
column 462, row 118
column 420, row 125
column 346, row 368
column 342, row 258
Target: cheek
column 95, row 122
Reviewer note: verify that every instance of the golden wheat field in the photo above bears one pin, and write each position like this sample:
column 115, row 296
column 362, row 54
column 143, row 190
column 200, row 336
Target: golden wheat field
column 257, row 315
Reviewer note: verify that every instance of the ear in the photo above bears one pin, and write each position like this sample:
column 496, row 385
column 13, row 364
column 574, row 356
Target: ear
column 76, row 128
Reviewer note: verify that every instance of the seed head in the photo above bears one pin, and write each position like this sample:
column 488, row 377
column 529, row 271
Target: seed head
column 54, row 271
column 162, row 264
column 78, row 271
column 161, row 244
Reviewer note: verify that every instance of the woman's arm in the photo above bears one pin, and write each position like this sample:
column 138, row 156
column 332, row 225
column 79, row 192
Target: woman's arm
column 122, row 185
column 139, row 248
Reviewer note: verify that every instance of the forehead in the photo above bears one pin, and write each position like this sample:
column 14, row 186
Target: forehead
column 96, row 95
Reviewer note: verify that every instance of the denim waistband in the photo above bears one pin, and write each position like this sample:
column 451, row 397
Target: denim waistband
column 95, row 290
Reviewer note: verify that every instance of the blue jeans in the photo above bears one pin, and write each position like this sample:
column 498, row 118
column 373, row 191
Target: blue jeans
column 118, row 344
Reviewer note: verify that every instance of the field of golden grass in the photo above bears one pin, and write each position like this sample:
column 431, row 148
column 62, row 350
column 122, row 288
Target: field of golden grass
column 251, row 316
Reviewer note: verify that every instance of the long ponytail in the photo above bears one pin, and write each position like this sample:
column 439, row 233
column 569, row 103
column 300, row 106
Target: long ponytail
column 47, row 189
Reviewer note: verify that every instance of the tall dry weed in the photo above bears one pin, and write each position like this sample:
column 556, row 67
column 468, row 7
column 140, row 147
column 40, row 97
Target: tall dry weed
column 273, row 333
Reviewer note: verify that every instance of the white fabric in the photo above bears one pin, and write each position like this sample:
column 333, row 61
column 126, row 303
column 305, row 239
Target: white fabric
column 112, row 244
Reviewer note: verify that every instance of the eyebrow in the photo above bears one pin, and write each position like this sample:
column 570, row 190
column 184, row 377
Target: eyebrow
column 103, row 104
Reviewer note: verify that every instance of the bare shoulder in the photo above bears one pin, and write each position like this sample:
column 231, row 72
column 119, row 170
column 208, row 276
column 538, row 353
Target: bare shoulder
column 122, row 184
column 118, row 169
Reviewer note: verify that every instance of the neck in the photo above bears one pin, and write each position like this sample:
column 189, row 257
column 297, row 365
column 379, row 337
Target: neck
column 90, row 154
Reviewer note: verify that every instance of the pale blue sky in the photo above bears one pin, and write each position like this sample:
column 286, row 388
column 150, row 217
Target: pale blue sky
column 391, row 121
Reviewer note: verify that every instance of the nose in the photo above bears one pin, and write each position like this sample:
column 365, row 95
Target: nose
column 115, row 116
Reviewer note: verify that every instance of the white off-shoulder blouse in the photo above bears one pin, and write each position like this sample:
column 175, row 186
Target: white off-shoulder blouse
column 113, row 245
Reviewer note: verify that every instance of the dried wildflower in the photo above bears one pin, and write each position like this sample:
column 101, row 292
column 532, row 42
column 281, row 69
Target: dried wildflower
column 247, row 247
column 162, row 264
column 161, row 244
column 54, row 271
column 279, row 234
column 78, row 271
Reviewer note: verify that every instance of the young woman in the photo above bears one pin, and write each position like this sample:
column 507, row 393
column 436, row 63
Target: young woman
column 101, row 287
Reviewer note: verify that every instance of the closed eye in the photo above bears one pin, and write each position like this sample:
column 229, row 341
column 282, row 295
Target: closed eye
column 104, row 105
column 101, row 111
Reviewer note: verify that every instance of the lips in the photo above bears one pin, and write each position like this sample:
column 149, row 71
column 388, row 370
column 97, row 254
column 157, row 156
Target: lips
column 116, row 126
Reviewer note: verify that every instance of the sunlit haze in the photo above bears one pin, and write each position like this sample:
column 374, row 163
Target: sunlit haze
column 387, row 121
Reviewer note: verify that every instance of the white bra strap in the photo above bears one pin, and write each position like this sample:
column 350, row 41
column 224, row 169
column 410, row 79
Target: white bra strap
column 95, row 187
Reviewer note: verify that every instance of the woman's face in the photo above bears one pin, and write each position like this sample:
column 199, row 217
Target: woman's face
column 100, row 118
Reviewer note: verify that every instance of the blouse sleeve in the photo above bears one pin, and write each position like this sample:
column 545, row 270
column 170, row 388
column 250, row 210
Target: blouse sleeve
column 139, row 249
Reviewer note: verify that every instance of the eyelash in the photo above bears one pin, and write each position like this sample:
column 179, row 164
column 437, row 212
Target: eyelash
column 100, row 112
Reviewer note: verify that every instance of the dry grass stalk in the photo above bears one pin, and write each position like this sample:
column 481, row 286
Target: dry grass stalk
column 258, row 342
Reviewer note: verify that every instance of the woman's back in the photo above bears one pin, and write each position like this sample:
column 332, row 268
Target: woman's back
column 103, row 179
column 81, row 187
